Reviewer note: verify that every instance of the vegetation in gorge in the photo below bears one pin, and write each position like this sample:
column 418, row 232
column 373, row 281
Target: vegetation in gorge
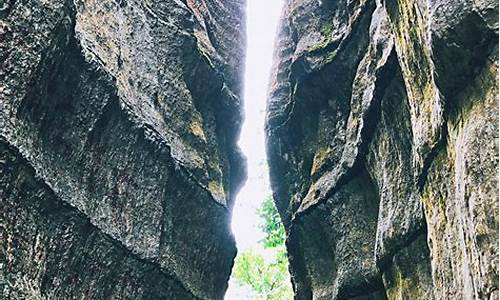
column 268, row 278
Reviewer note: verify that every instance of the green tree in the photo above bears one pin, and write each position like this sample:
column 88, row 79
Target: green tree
column 269, row 280
column 272, row 226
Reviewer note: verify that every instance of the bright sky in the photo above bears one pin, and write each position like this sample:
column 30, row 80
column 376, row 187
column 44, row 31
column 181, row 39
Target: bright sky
column 262, row 21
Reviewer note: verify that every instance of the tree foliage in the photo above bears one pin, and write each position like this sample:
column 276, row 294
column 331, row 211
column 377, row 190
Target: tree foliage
column 272, row 226
column 269, row 280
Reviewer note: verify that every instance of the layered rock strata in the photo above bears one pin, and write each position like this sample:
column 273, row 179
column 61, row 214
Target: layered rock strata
column 118, row 155
column 382, row 134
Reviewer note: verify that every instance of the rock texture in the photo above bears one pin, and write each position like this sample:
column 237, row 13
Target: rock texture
column 382, row 133
column 118, row 155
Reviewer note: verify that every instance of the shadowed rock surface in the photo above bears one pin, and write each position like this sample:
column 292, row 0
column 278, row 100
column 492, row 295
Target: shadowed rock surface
column 118, row 155
column 382, row 134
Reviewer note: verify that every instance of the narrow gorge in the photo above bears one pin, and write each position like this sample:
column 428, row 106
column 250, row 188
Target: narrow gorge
column 120, row 164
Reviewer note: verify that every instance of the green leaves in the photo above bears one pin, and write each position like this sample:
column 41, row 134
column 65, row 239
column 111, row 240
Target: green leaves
column 269, row 278
column 272, row 226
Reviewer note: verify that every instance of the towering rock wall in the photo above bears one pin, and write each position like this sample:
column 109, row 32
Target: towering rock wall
column 382, row 133
column 118, row 155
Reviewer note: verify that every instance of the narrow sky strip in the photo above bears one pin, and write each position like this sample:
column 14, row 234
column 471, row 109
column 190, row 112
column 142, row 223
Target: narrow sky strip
column 262, row 21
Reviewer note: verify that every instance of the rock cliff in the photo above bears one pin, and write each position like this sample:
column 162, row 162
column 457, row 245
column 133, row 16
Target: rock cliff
column 382, row 134
column 118, row 155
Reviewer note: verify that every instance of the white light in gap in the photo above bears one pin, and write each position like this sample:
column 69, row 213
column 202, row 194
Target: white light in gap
column 262, row 21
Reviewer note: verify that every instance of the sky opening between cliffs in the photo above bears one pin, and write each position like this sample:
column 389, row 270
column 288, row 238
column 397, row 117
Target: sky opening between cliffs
column 252, row 210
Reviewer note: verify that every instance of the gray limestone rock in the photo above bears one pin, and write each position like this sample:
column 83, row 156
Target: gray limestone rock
column 382, row 135
column 118, row 130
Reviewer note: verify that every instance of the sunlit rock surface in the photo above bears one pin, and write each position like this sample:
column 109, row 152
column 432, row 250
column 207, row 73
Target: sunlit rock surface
column 118, row 156
column 382, row 133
